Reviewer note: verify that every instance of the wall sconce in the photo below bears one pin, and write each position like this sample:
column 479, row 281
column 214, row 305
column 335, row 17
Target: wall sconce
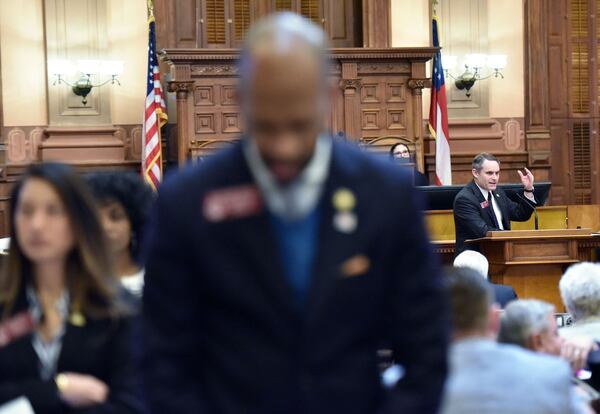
column 474, row 63
column 86, row 68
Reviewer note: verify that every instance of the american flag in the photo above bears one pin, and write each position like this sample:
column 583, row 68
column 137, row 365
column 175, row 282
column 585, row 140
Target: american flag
column 438, row 117
column 155, row 114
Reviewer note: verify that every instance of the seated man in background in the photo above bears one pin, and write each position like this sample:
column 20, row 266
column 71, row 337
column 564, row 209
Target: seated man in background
column 580, row 292
column 478, row 262
column 481, row 369
column 531, row 324
column 481, row 207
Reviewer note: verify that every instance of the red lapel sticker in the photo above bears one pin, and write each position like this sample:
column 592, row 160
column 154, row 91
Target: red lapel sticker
column 19, row 325
column 484, row 204
column 232, row 203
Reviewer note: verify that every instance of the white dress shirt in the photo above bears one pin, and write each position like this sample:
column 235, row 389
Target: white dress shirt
column 298, row 198
column 497, row 210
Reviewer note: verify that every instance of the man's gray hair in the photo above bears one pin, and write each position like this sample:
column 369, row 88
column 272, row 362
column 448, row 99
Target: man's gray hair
column 473, row 260
column 580, row 290
column 523, row 318
column 479, row 159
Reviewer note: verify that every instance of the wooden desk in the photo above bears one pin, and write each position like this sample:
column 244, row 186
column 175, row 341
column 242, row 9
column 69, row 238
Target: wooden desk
column 532, row 262
column 440, row 224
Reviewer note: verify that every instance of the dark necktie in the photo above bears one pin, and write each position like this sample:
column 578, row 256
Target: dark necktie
column 492, row 212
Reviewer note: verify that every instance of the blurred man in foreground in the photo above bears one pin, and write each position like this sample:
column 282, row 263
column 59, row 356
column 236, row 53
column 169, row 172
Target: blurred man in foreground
column 278, row 267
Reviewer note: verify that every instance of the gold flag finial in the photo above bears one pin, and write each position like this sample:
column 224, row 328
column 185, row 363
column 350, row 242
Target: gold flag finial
column 151, row 8
column 434, row 4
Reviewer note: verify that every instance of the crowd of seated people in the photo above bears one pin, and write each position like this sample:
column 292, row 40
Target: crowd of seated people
column 68, row 306
column 580, row 292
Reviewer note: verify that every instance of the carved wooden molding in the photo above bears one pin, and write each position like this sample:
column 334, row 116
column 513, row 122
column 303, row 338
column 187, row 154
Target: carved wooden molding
column 419, row 83
column 180, row 56
column 180, row 86
column 383, row 68
column 217, row 70
column 350, row 84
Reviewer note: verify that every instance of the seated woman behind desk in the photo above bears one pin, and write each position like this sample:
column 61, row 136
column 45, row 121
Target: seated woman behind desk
column 400, row 154
column 124, row 202
column 65, row 327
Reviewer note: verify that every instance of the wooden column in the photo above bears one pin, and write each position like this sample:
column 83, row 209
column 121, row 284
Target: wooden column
column 376, row 23
column 537, row 85
column 416, row 86
column 182, row 89
column 350, row 85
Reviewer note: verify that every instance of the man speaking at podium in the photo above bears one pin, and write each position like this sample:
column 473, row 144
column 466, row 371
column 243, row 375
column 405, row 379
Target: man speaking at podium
column 481, row 207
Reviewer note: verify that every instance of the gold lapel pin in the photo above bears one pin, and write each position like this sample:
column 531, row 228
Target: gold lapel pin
column 344, row 200
column 76, row 318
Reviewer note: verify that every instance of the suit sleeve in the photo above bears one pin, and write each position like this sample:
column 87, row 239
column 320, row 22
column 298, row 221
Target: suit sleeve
column 170, row 356
column 520, row 211
column 124, row 396
column 417, row 310
column 43, row 395
column 467, row 215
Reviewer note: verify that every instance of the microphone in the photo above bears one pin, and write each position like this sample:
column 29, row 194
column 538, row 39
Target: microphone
column 532, row 205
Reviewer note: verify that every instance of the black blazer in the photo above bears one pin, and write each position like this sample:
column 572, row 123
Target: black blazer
column 223, row 334
column 504, row 294
column 101, row 348
column 472, row 221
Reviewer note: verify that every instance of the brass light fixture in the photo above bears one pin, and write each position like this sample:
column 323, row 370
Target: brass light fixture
column 474, row 64
column 87, row 69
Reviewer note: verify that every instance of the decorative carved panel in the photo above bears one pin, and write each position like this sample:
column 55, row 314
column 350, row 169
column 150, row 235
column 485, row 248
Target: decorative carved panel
column 204, row 96
column 379, row 95
column 205, row 123
column 369, row 93
column 396, row 119
column 231, row 123
column 370, row 120
column 395, row 92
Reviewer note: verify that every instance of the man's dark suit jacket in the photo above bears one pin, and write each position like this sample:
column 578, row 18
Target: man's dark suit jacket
column 503, row 294
column 473, row 221
column 223, row 334
column 101, row 348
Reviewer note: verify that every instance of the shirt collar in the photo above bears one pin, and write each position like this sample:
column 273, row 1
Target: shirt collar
column 483, row 191
column 35, row 307
column 300, row 197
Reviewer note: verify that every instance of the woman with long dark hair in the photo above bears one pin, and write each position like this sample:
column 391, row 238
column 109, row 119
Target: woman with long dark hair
column 65, row 325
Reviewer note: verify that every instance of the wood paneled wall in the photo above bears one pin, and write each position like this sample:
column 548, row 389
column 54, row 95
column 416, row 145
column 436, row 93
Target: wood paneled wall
column 562, row 114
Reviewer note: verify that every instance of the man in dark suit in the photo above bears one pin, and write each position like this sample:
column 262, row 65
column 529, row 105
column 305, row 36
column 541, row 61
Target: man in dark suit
column 277, row 268
column 471, row 259
column 481, row 207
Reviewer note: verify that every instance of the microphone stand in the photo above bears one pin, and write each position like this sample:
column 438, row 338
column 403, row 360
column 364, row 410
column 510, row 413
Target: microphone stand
column 532, row 205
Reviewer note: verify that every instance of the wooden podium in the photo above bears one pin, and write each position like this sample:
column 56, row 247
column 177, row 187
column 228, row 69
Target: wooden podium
column 532, row 261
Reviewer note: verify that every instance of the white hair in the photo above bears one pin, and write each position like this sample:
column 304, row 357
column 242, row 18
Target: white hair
column 473, row 260
column 580, row 290
column 523, row 318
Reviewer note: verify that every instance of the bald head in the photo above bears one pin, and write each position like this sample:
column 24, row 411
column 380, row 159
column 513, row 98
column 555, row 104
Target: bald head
column 283, row 91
